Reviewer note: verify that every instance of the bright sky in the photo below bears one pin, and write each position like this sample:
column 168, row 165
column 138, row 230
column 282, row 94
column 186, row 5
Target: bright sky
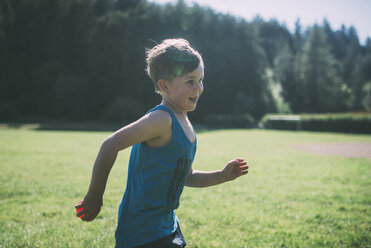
column 337, row 12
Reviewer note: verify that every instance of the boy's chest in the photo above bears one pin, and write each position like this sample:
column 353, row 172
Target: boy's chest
column 187, row 128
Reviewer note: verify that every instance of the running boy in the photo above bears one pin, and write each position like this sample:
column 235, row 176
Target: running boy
column 164, row 145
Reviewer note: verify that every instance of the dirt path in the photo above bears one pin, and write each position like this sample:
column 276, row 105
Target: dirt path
column 351, row 150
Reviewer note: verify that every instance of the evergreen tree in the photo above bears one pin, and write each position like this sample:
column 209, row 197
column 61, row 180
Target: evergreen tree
column 298, row 37
column 319, row 76
column 286, row 71
column 273, row 36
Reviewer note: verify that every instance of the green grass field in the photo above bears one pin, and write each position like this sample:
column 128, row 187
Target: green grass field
column 289, row 198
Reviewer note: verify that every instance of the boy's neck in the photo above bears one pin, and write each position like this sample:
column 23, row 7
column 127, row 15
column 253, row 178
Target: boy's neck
column 173, row 108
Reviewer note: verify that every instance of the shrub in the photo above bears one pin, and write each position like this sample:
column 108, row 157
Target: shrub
column 347, row 123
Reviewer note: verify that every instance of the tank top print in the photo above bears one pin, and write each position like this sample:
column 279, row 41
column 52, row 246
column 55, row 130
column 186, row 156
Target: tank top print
column 156, row 178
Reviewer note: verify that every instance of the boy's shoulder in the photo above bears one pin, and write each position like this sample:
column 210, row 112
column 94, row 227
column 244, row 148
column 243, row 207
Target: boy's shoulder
column 159, row 124
column 159, row 117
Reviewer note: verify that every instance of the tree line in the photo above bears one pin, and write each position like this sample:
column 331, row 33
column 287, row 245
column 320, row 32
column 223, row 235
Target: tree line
column 78, row 60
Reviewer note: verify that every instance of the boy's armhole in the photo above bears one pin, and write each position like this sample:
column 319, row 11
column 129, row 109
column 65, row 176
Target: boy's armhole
column 167, row 133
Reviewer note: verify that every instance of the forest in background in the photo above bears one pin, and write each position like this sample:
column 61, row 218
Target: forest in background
column 84, row 60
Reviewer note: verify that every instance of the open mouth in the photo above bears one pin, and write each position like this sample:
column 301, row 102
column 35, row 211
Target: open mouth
column 193, row 99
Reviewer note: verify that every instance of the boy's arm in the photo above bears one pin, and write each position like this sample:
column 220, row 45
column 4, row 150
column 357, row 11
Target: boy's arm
column 149, row 127
column 234, row 169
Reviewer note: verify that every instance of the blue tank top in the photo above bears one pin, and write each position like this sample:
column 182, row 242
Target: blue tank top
column 156, row 178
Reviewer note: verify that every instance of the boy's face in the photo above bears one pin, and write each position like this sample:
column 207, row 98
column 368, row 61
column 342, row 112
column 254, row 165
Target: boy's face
column 184, row 91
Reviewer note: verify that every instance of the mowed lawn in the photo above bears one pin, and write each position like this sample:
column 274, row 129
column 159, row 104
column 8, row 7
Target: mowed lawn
column 289, row 198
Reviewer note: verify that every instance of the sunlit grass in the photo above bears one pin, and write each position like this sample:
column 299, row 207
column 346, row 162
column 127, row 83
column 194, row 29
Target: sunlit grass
column 289, row 198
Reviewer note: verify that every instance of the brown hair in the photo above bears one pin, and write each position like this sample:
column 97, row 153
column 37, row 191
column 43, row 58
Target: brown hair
column 171, row 58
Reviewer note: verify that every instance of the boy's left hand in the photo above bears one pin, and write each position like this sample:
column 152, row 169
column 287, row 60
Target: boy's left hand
column 91, row 205
column 234, row 169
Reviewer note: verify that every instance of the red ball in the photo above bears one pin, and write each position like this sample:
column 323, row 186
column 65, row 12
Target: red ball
column 79, row 209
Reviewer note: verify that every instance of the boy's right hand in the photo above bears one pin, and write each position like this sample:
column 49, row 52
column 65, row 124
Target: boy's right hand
column 91, row 207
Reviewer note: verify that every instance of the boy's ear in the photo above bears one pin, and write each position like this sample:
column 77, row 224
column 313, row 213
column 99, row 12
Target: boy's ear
column 163, row 85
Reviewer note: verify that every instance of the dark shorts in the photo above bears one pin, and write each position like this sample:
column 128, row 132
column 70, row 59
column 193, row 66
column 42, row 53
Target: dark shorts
column 174, row 240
